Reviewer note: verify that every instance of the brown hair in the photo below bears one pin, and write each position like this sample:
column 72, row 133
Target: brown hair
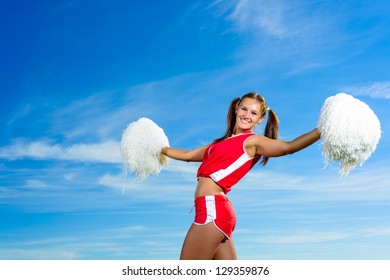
column 271, row 128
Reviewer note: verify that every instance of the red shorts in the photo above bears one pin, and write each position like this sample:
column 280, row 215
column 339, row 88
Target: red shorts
column 216, row 209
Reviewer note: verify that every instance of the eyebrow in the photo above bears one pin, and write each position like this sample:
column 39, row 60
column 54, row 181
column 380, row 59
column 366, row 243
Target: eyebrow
column 255, row 111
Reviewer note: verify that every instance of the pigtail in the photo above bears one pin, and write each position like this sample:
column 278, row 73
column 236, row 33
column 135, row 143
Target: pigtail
column 271, row 130
column 272, row 127
column 230, row 120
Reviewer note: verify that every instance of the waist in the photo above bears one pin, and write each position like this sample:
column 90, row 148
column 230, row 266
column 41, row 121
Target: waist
column 206, row 186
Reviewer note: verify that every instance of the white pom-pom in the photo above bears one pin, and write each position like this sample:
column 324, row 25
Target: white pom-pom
column 141, row 146
column 350, row 131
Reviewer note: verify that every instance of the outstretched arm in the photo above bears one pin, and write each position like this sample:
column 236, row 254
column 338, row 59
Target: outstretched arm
column 185, row 155
column 274, row 148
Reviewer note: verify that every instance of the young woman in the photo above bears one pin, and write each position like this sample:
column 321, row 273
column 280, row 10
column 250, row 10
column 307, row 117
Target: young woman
column 224, row 163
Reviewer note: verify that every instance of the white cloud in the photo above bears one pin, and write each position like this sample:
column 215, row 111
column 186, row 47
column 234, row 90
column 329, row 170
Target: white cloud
column 69, row 176
column 374, row 90
column 306, row 237
column 37, row 254
column 182, row 167
column 102, row 115
column 107, row 151
column 166, row 186
column 378, row 231
column 278, row 19
column 269, row 188
column 260, row 15
column 25, row 110
column 35, row 184
column 120, row 182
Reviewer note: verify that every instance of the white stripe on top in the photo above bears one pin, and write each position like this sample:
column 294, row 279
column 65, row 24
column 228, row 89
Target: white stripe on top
column 223, row 173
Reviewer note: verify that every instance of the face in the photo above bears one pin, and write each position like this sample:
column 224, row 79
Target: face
column 248, row 114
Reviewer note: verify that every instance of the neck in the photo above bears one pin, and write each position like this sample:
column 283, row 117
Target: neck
column 240, row 131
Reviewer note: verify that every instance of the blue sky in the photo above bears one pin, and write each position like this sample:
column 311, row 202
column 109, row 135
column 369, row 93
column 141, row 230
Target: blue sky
column 75, row 73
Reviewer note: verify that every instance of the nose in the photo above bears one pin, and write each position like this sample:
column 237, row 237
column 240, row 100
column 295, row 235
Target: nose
column 247, row 114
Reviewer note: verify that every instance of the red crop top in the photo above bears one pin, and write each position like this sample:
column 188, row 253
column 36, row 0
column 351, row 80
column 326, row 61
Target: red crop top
column 226, row 162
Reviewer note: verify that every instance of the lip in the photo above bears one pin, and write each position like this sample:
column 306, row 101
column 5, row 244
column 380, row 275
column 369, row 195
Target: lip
column 244, row 121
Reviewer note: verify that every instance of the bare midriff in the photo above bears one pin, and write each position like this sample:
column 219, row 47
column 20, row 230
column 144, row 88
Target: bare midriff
column 206, row 186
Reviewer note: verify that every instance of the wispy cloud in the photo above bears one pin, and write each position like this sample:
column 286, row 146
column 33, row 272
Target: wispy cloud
column 119, row 243
column 165, row 187
column 25, row 110
column 260, row 16
column 102, row 116
column 175, row 174
column 269, row 188
column 35, row 184
column 120, row 182
column 311, row 244
column 299, row 36
column 304, row 237
column 91, row 152
column 374, row 90
column 278, row 19
column 37, row 254
column 378, row 231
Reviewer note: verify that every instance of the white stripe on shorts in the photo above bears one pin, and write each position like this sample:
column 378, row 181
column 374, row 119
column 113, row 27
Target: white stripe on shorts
column 210, row 206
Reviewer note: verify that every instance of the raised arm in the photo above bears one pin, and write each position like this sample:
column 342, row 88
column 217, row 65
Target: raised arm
column 185, row 155
column 260, row 145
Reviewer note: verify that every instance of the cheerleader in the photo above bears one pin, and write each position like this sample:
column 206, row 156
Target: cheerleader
column 223, row 163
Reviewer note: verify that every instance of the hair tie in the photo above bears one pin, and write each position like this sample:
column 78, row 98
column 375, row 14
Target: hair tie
column 267, row 109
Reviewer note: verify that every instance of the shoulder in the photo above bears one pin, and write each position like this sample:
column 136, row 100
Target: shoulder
column 252, row 143
column 254, row 140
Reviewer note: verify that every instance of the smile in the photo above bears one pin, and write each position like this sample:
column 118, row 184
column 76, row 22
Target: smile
column 244, row 121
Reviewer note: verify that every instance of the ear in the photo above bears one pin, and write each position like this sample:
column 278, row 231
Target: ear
column 261, row 120
column 236, row 109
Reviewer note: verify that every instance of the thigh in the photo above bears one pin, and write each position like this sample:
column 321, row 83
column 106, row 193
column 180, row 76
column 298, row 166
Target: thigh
column 226, row 251
column 201, row 242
